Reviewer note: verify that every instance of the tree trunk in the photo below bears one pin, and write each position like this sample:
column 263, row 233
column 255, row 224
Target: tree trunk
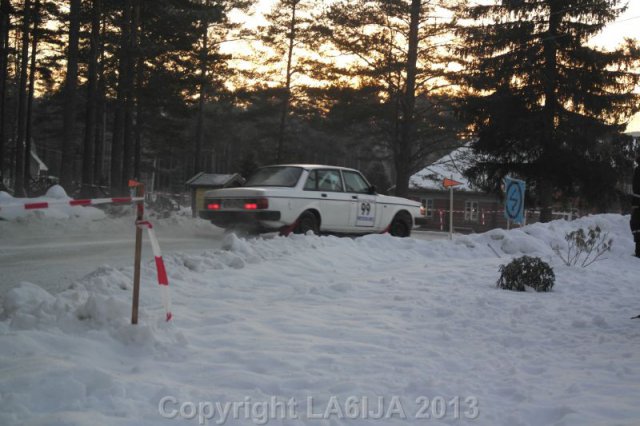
column 287, row 87
column 128, row 159
column 139, row 113
column 19, row 186
column 101, row 118
column 550, row 46
column 407, row 131
column 204, row 65
column 70, row 89
column 119, row 115
column 88, row 152
column 5, row 10
column 32, row 79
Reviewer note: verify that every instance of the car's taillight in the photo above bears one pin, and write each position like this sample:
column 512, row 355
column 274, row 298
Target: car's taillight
column 213, row 206
column 423, row 211
column 259, row 204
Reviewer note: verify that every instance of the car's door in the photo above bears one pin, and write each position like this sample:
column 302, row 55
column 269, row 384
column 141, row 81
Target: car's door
column 327, row 185
column 363, row 204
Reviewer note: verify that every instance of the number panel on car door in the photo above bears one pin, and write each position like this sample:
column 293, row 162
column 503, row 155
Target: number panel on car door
column 364, row 207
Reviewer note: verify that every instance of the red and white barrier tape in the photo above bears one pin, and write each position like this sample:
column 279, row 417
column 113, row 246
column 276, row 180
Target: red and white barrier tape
column 163, row 279
column 82, row 202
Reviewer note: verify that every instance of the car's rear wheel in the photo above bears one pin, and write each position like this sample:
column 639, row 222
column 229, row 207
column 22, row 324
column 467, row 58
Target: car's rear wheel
column 307, row 222
column 400, row 226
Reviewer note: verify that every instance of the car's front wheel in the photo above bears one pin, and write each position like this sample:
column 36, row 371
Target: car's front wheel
column 400, row 226
column 307, row 222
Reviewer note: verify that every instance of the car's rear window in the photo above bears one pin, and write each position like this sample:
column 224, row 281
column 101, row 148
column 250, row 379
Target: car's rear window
column 275, row 176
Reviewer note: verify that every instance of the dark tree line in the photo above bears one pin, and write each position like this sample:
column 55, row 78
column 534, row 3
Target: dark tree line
column 545, row 105
column 110, row 90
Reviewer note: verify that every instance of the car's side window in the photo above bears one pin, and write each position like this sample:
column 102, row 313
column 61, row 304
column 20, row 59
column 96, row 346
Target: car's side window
column 312, row 181
column 355, row 183
column 329, row 180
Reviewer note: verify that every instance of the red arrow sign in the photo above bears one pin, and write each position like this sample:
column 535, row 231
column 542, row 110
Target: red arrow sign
column 447, row 183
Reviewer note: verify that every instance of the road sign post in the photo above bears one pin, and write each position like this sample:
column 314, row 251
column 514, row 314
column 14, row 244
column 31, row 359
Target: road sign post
column 514, row 201
column 450, row 183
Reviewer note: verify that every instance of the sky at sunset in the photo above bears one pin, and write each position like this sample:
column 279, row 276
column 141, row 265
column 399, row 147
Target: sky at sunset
column 627, row 25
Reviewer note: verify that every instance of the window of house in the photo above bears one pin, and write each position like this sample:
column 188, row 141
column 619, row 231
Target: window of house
column 471, row 211
column 427, row 203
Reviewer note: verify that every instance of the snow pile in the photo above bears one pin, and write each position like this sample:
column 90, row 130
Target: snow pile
column 326, row 318
column 12, row 208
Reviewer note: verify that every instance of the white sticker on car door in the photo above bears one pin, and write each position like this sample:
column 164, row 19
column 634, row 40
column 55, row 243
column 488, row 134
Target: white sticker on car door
column 366, row 212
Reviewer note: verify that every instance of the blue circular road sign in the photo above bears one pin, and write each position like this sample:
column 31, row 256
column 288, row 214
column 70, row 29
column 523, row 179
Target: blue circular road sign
column 514, row 205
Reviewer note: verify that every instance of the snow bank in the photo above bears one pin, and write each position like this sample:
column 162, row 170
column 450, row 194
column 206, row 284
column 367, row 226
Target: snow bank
column 331, row 318
column 12, row 208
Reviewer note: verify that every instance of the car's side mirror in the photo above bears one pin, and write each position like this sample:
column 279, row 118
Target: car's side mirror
column 372, row 189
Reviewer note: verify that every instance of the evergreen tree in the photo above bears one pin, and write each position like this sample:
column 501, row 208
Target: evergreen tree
column 35, row 33
column 70, row 96
column 288, row 38
column 19, row 186
column 396, row 47
column 5, row 22
column 89, row 146
column 543, row 100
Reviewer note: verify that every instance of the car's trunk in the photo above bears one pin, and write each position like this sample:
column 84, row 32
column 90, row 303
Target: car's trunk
column 235, row 193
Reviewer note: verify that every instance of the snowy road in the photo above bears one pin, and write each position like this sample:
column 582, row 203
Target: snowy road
column 55, row 258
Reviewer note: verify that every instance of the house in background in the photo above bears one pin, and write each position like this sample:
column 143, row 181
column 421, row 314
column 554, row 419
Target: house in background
column 473, row 209
column 203, row 182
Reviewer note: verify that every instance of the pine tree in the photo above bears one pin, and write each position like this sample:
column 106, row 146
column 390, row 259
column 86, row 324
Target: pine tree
column 5, row 20
column 287, row 34
column 19, row 186
column 542, row 99
column 70, row 95
column 396, row 47
column 89, row 146
column 32, row 78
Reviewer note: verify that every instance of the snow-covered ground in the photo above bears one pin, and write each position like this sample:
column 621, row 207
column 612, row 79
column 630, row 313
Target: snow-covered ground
column 308, row 330
column 54, row 247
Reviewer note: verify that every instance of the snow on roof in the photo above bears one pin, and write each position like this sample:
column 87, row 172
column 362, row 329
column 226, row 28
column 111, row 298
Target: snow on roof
column 450, row 166
column 41, row 166
column 212, row 179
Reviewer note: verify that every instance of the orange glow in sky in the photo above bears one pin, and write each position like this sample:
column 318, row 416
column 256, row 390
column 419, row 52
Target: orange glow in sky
column 626, row 25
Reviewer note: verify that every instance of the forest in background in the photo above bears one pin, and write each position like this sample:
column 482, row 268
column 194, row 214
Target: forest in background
column 109, row 90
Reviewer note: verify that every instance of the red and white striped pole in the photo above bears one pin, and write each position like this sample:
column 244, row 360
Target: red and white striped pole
column 40, row 205
column 163, row 279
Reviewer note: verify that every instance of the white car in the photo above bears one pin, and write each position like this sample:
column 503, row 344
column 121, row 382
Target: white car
column 300, row 198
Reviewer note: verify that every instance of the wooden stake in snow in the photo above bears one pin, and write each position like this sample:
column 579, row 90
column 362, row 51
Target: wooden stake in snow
column 139, row 192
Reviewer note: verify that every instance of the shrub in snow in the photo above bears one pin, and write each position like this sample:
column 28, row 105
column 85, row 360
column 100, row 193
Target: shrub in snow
column 584, row 247
column 525, row 272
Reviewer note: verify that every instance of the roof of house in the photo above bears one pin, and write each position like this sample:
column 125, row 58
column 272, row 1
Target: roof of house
column 213, row 179
column 451, row 166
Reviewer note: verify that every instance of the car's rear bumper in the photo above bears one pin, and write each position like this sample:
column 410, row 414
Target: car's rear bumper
column 226, row 219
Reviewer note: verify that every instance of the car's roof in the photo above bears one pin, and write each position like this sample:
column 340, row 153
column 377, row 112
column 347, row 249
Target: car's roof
column 311, row 166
